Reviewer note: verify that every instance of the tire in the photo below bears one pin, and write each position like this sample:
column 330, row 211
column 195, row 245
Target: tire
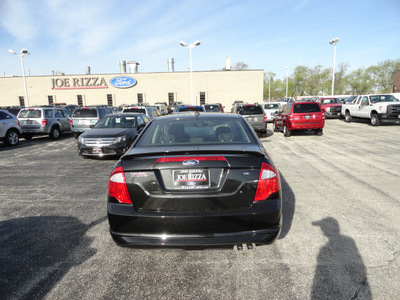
column 375, row 121
column 54, row 133
column 274, row 128
column 27, row 136
column 286, row 132
column 11, row 138
column 319, row 132
column 347, row 117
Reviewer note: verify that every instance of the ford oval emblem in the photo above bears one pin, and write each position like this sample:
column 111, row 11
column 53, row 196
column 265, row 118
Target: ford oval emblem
column 191, row 183
column 190, row 162
column 123, row 82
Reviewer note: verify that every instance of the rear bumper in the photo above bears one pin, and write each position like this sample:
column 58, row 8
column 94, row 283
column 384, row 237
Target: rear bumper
column 305, row 126
column 260, row 224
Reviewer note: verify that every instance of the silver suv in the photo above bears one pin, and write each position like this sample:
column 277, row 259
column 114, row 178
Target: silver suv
column 84, row 118
column 255, row 116
column 10, row 130
column 50, row 121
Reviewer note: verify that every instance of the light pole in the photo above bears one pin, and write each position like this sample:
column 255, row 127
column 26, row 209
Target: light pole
column 269, row 87
column 24, row 52
column 191, row 46
column 334, row 42
column 287, row 79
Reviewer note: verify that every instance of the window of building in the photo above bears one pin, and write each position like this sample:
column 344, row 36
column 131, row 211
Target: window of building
column 171, row 98
column 80, row 101
column 50, row 99
column 109, row 100
column 202, row 98
column 140, row 98
column 21, row 101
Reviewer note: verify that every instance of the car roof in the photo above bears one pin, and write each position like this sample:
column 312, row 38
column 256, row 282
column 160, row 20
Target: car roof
column 198, row 115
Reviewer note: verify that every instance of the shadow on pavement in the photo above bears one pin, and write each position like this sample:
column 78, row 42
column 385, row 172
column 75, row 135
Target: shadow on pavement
column 36, row 252
column 340, row 272
column 288, row 207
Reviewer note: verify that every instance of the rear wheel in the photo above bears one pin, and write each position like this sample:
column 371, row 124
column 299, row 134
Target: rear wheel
column 286, row 132
column 11, row 138
column 55, row 133
column 375, row 121
column 347, row 117
column 318, row 132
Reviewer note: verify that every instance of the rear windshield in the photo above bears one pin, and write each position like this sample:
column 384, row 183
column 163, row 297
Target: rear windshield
column 31, row 113
column 271, row 106
column 212, row 108
column 190, row 108
column 85, row 113
column 136, row 110
column 194, row 131
column 251, row 110
column 306, row 108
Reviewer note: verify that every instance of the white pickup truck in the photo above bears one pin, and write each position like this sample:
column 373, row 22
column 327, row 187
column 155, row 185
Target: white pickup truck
column 377, row 108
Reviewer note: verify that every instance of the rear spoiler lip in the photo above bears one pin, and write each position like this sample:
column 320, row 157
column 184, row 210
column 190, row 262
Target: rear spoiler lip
column 192, row 153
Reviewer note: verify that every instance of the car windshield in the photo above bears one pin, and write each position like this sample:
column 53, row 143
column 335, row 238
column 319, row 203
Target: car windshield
column 195, row 131
column 212, row 108
column 306, row 108
column 330, row 101
column 117, row 122
column 271, row 106
column 251, row 110
column 85, row 113
column 136, row 110
column 382, row 98
column 30, row 113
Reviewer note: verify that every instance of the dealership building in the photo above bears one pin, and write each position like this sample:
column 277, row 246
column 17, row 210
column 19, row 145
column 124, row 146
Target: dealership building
column 222, row 86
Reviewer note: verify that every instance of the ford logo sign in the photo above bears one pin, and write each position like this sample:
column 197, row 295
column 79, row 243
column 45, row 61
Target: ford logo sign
column 123, row 82
column 191, row 183
column 190, row 162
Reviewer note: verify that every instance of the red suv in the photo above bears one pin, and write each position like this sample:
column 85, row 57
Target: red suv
column 299, row 116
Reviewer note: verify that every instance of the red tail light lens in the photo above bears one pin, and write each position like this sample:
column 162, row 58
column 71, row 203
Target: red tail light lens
column 117, row 186
column 265, row 118
column 70, row 122
column 44, row 122
column 268, row 182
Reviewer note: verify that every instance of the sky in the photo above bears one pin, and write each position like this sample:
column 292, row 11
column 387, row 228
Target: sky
column 68, row 35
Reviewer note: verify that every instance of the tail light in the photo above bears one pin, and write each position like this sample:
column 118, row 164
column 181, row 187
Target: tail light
column 44, row 122
column 268, row 182
column 265, row 118
column 19, row 123
column 70, row 122
column 117, row 186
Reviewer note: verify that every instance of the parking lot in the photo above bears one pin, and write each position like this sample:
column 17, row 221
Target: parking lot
column 340, row 236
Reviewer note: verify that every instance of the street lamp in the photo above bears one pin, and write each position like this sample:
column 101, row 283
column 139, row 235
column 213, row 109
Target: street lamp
column 24, row 52
column 191, row 46
column 287, row 79
column 334, row 42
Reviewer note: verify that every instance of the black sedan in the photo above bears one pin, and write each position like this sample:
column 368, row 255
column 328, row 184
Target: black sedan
column 195, row 180
column 112, row 135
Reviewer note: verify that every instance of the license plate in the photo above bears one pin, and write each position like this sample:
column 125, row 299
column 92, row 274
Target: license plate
column 28, row 122
column 191, row 179
column 249, row 119
column 97, row 150
column 85, row 122
column 307, row 117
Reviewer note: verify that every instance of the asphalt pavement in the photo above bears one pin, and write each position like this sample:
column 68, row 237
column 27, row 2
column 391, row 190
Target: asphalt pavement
column 340, row 236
